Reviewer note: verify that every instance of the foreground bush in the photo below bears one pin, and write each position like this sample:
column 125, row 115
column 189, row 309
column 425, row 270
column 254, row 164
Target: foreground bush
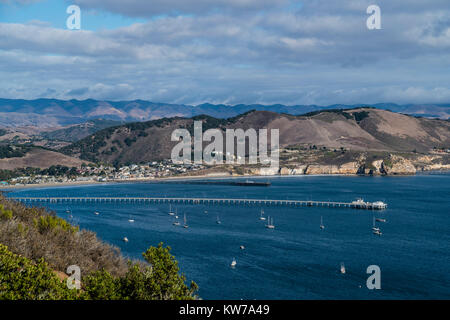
column 35, row 245
column 23, row 279
column 20, row 278
column 158, row 281
column 36, row 233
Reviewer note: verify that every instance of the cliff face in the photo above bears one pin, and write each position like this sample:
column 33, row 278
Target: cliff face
column 394, row 165
column 398, row 165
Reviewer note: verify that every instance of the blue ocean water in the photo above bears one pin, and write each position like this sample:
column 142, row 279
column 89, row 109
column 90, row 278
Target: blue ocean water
column 296, row 260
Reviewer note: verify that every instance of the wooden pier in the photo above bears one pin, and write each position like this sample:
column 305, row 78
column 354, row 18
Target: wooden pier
column 207, row 201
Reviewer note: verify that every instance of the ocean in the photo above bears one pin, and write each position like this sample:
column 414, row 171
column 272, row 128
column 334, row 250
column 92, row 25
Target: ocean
column 296, row 260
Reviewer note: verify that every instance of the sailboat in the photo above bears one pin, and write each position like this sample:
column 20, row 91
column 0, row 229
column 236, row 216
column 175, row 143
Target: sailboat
column 176, row 213
column 185, row 222
column 375, row 229
column 380, row 220
column 67, row 210
column 130, row 220
column 270, row 224
column 261, row 217
column 233, row 263
column 342, row 268
column 125, row 239
column 218, row 220
column 171, row 213
column 96, row 213
column 321, row 223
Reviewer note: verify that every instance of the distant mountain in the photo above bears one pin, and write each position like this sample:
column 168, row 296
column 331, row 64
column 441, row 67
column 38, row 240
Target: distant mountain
column 77, row 132
column 51, row 113
column 353, row 129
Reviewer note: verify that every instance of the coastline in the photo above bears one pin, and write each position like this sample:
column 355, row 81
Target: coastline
column 190, row 178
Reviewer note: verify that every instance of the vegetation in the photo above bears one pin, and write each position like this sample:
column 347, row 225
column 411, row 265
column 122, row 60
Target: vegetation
column 36, row 245
column 9, row 151
column 359, row 116
column 21, row 278
column 55, row 171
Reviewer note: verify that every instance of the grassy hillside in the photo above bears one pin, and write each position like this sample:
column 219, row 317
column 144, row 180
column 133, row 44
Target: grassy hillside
column 360, row 129
column 20, row 156
column 36, row 247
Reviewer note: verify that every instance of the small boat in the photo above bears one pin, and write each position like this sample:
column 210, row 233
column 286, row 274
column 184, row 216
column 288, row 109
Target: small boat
column 176, row 223
column 342, row 268
column 67, row 210
column 185, row 222
column 270, row 224
column 321, row 223
column 233, row 263
column 374, row 227
column 377, row 232
column 206, row 211
column 218, row 220
column 261, row 217
column 242, row 247
column 171, row 213
column 380, row 220
column 96, row 213
column 125, row 239
column 130, row 220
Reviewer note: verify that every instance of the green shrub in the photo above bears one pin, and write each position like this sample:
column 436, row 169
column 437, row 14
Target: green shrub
column 21, row 279
column 48, row 223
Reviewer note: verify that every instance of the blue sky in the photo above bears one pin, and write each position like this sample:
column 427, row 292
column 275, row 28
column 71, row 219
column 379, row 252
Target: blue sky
column 54, row 13
column 227, row 51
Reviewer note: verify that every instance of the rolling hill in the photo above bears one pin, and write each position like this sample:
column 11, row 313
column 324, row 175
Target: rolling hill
column 359, row 129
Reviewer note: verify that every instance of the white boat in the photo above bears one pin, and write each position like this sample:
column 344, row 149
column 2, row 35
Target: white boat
column 261, row 217
column 176, row 223
column 321, row 223
column 96, row 213
column 342, row 268
column 380, row 220
column 130, row 220
column 171, row 213
column 242, row 247
column 185, row 222
column 270, row 224
column 125, row 239
column 377, row 232
column 233, row 263
column 374, row 227
column 218, row 220
column 206, row 211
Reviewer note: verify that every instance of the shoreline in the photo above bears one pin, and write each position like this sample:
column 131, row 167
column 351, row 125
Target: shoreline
column 189, row 178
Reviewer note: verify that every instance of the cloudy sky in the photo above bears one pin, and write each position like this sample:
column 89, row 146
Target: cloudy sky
column 227, row 51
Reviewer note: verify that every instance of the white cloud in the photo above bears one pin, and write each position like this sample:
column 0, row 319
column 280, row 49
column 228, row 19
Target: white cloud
column 321, row 53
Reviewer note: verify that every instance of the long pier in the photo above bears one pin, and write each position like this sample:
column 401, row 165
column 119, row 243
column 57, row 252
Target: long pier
column 359, row 204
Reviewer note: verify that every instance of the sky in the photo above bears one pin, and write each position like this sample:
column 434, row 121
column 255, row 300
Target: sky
column 227, row 51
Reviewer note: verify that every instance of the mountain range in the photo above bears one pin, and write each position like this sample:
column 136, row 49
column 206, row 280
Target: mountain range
column 56, row 114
